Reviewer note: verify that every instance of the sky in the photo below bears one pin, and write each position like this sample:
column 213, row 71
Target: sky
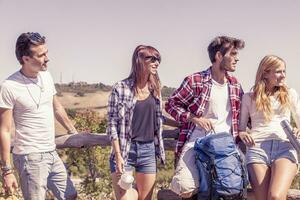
column 93, row 40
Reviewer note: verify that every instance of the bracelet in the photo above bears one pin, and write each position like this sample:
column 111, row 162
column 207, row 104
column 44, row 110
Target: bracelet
column 6, row 168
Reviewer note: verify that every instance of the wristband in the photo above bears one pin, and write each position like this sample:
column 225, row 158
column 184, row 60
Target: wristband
column 6, row 168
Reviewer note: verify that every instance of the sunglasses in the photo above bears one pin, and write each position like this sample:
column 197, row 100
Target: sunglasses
column 153, row 59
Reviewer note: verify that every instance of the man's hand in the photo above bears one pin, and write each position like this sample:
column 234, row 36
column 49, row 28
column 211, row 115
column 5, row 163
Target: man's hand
column 247, row 138
column 10, row 183
column 202, row 122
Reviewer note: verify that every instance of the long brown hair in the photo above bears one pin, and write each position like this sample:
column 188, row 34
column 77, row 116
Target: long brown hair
column 139, row 66
column 261, row 95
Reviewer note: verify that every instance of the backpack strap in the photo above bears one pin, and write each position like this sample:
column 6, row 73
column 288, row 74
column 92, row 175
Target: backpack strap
column 244, row 177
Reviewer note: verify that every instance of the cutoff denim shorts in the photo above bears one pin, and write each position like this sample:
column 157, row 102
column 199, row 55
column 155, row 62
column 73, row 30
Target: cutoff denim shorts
column 267, row 152
column 141, row 158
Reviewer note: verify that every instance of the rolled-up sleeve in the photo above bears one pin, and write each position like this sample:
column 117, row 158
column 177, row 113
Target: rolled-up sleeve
column 178, row 102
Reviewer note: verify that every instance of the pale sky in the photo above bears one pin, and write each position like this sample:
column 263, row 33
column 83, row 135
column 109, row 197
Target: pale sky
column 93, row 40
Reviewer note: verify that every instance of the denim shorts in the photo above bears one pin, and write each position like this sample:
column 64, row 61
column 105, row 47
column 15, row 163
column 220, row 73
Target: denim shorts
column 141, row 158
column 39, row 171
column 267, row 152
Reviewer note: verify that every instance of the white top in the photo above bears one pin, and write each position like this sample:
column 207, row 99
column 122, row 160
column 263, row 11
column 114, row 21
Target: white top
column 218, row 110
column 262, row 130
column 32, row 103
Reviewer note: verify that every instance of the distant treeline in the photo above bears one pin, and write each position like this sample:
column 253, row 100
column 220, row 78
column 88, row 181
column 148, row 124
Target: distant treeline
column 83, row 87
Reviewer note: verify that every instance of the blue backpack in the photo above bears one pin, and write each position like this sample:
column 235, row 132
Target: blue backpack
column 221, row 170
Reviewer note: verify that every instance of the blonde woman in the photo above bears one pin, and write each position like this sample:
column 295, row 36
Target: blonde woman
column 271, row 159
column 135, row 125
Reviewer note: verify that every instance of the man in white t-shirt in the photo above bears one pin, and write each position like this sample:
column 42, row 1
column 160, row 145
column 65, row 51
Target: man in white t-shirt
column 206, row 101
column 28, row 97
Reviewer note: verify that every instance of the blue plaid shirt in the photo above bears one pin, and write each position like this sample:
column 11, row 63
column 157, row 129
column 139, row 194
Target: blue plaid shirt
column 121, row 104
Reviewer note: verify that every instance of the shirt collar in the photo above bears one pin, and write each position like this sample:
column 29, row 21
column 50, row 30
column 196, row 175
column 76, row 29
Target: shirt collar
column 208, row 77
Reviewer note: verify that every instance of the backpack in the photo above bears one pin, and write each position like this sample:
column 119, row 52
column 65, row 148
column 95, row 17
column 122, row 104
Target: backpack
column 221, row 170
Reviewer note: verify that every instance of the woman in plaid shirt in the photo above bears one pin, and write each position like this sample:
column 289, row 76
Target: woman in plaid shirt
column 135, row 125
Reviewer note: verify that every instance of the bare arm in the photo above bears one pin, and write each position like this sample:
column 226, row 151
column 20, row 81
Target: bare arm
column 5, row 135
column 62, row 117
column 244, row 119
column 119, row 159
column 9, row 179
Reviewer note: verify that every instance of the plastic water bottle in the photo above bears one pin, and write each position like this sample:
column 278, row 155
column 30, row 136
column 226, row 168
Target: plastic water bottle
column 290, row 134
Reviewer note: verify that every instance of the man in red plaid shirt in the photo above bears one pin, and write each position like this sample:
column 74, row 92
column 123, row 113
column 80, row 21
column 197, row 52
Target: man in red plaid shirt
column 209, row 100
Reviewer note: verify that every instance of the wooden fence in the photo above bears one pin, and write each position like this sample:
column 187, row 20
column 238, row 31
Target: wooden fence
column 84, row 140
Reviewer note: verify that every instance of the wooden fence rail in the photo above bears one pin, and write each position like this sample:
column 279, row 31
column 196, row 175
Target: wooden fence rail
column 84, row 140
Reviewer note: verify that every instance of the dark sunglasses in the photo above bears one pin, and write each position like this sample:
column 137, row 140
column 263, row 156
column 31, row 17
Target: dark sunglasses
column 153, row 59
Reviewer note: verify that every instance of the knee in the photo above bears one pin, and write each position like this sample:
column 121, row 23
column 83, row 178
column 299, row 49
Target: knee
column 273, row 195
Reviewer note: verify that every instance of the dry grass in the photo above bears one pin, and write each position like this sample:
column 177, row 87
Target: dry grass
column 95, row 101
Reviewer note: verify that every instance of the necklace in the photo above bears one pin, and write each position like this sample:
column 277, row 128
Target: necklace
column 37, row 103
column 39, row 76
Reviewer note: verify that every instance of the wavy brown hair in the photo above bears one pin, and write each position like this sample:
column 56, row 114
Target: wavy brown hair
column 138, row 68
column 260, row 93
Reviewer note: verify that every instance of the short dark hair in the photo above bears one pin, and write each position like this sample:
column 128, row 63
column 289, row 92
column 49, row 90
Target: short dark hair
column 223, row 44
column 24, row 42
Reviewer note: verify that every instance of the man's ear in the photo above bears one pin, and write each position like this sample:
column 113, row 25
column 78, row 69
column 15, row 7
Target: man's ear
column 25, row 59
column 218, row 56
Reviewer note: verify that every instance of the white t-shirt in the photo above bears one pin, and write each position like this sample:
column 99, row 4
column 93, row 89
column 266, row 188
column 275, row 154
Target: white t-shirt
column 32, row 103
column 218, row 111
column 262, row 130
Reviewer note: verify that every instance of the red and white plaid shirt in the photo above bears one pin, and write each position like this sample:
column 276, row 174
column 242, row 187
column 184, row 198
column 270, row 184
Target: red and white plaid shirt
column 192, row 97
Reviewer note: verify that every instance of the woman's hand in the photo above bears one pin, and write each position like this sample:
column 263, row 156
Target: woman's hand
column 246, row 138
column 296, row 133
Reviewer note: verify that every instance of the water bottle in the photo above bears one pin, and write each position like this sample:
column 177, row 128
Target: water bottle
column 290, row 134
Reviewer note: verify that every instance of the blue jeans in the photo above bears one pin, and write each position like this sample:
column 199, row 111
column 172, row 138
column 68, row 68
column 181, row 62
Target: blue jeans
column 39, row 171
column 141, row 157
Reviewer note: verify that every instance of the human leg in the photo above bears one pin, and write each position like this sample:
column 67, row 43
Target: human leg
column 145, row 170
column 121, row 194
column 259, row 175
column 145, row 185
column 58, row 180
column 281, row 178
column 33, row 172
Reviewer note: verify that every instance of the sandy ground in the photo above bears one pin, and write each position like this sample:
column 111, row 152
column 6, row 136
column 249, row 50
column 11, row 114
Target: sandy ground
column 96, row 101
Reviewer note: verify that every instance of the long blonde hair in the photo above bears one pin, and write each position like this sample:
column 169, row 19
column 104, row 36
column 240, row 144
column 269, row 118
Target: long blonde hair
column 261, row 95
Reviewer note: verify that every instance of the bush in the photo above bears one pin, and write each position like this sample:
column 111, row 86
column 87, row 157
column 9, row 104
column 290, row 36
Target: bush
column 90, row 164
column 80, row 94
